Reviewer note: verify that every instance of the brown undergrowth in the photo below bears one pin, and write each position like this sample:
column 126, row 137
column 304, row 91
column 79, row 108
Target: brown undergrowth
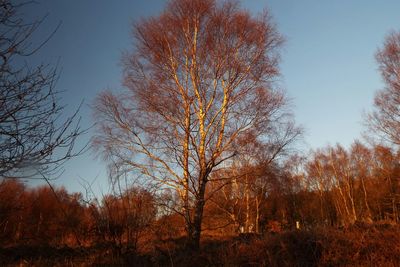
column 358, row 245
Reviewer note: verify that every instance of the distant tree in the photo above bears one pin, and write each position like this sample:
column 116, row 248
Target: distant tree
column 33, row 138
column 199, row 80
column 385, row 120
column 361, row 161
column 41, row 215
column 124, row 218
column 357, row 184
column 12, row 209
column 253, row 177
column 330, row 168
column 386, row 184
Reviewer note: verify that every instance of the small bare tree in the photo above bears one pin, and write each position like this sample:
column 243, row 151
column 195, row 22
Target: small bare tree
column 33, row 139
column 200, row 79
column 385, row 120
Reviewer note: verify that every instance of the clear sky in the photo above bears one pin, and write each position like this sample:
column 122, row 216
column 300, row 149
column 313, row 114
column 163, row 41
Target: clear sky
column 328, row 66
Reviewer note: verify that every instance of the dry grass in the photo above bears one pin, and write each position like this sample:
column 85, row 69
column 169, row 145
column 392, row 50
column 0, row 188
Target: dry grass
column 359, row 245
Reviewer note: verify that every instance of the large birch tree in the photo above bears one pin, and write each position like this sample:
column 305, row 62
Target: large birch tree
column 200, row 81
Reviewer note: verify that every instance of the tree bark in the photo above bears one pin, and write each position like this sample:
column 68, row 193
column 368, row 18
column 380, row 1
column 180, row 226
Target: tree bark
column 195, row 227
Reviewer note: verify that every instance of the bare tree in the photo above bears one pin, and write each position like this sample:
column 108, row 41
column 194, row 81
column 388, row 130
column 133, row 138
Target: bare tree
column 385, row 120
column 34, row 141
column 200, row 79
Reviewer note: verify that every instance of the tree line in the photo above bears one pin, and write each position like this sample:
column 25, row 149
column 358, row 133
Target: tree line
column 335, row 187
column 51, row 216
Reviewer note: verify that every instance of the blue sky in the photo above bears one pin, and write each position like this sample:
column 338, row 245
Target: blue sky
column 328, row 66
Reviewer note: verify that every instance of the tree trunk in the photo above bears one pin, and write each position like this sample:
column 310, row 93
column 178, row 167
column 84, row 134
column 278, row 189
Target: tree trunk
column 194, row 229
column 257, row 216
column 247, row 223
column 368, row 213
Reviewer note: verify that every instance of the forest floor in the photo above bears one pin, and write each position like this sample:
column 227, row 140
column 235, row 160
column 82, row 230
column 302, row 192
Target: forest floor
column 358, row 245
